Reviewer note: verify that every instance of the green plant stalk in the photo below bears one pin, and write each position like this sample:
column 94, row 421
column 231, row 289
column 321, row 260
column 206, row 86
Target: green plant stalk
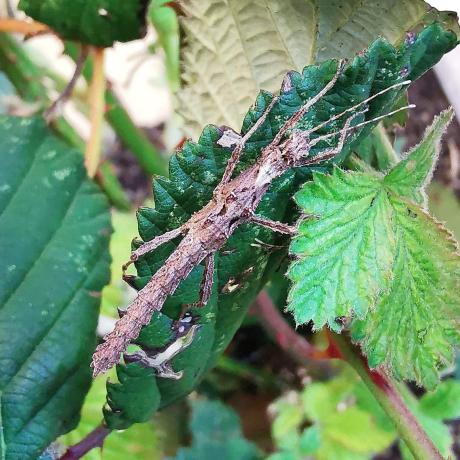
column 391, row 158
column 149, row 158
column 26, row 76
column 246, row 372
column 387, row 395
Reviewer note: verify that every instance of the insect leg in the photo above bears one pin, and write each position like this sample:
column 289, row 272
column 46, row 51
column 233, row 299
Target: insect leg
column 207, row 282
column 205, row 288
column 152, row 245
column 233, row 161
column 274, row 225
column 291, row 122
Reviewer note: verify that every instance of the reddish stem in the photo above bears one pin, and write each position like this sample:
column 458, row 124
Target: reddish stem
column 94, row 439
column 288, row 340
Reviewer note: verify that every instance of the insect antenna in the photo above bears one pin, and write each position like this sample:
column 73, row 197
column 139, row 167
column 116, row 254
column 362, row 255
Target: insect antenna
column 359, row 125
column 350, row 109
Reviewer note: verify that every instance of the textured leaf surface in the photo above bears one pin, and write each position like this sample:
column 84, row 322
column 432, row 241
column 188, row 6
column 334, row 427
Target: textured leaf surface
column 216, row 433
column 376, row 255
column 226, row 59
column 245, row 264
column 95, row 22
column 54, row 231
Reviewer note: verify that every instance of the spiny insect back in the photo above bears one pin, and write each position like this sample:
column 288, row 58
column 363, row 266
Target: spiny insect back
column 234, row 203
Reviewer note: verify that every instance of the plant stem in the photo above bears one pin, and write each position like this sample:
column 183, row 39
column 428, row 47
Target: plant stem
column 149, row 158
column 247, row 372
column 385, row 392
column 26, row 77
column 23, row 27
column 97, row 104
column 388, row 157
column 293, row 344
column 90, row 441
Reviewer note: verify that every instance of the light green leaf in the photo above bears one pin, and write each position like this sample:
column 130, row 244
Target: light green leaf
column 377, row 257
column 444, row 402
column 234, row 48
column 54, row 232
column 354, row 430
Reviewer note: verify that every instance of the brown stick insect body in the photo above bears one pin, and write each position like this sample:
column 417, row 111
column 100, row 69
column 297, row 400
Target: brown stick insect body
column 234, row 202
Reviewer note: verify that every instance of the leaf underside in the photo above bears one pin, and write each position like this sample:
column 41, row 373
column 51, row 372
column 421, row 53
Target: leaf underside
column 54, row 264
column 244, row 264
column 375, row 255
column 226, row 60
column 98, row 22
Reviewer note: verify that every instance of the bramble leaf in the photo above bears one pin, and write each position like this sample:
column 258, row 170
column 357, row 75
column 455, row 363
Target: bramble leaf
column 376, row 256
column 226, row 60
column 98, row 22
column 249, row 257
column 54, row 264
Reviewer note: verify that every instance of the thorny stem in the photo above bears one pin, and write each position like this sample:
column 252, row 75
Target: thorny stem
column 387, row 395
column 97, row 103
column 23, row 27
column 90, row 441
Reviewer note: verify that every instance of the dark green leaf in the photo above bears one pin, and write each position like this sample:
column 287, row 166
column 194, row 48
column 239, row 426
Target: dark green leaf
column 216, row 433
column 246, row 262
column 55, row 227
column 95, row 22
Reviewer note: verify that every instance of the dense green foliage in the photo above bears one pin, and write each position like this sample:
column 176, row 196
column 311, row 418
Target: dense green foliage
column 243, row 266
column 54, row 234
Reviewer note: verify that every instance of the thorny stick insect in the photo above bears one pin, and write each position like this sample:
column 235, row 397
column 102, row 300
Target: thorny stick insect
column 234, row 202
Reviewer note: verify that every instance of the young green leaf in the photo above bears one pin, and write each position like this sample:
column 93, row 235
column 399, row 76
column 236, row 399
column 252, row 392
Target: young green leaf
column 98, row 22
column 375, row 255
column 54, row 232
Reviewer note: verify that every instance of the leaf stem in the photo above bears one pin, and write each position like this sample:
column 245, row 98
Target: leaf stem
column 292, row 343
column 93, row 439
column 385, row 392
column 23, row 27
column 150, row 158
column 389, row 157
column 97, row 104
column 26, row 77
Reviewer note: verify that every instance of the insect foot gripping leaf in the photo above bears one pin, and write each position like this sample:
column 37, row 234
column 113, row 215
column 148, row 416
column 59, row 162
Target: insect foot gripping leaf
column 375, row 256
